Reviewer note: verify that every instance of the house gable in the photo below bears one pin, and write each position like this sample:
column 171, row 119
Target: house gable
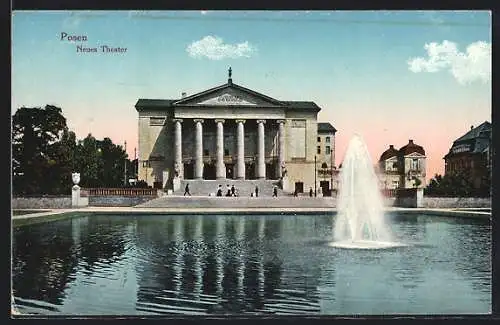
column 414, row 155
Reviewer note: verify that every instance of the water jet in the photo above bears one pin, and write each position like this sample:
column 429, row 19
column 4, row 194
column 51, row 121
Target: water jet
column 360, row 222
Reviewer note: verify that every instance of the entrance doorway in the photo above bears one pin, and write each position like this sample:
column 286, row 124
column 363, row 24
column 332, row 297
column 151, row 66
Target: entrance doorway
column 188, row 170
column 270, row 171
column 209, row 171
column 250, row 171
column 325, row 188
column 299, row 187
column 229, row 171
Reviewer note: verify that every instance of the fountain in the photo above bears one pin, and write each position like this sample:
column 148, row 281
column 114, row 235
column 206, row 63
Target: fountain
column 360, row 221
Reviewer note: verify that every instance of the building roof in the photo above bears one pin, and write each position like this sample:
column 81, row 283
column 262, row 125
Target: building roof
column 152, row 103
column 325, row 127
column 476, row 140
column 411, row 148
column 146, row 103
column 389, row 153
column 481, row 131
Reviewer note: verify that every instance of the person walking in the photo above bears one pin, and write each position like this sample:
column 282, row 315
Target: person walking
column 275, row 191
column 233, row 190
column 186, row 190
column 310, row 191
column 219, row 191
column 256, row 191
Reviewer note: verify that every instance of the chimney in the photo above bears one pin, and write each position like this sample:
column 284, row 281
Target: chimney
column 183, row 95
column 391, row 146
column 410, row 141
column 471, row 127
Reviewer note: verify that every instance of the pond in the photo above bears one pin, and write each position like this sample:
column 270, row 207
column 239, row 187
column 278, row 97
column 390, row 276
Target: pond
column 248, row 264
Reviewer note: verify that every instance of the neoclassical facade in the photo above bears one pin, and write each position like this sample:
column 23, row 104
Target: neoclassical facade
column 226, row 132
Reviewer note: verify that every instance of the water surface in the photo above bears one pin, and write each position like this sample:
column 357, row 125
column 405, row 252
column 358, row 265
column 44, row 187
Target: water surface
column 247, row 264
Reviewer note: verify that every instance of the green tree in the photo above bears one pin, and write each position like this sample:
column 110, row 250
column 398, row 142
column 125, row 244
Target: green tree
column 36, row 133
column 457, row 185
column 101, row 163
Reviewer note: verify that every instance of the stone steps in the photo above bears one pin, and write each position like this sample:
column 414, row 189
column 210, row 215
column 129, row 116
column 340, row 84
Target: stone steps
column 232, row 203
column 243, row 187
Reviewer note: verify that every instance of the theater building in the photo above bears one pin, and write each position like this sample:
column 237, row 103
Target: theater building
column 226, row 132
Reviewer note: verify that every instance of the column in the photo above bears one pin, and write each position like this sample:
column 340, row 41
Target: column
column 198, row 163
column 178, row 164
column 220, row 166
column 281, row 147
column 240, row 163
column 261, row 163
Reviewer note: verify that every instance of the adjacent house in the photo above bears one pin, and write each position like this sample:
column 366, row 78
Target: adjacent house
column 471, row 154
column 403, row 168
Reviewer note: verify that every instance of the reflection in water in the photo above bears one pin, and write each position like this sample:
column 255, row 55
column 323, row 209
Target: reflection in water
column 246, row 264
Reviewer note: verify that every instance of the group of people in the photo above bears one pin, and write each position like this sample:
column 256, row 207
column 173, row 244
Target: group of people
column 230, row 191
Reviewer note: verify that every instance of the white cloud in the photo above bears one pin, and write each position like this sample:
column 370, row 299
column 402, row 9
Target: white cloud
column 472, row 65
column 214, row 48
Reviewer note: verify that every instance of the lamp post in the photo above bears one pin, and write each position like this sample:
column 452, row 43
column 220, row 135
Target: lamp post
column 331, row 172
column 135, row 161
column 314, row 175
column 125, row 169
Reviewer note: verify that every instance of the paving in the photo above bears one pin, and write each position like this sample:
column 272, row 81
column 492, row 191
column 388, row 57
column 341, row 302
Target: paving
column 240, row 205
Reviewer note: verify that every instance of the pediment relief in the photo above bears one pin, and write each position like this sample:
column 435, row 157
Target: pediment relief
column 229, row 96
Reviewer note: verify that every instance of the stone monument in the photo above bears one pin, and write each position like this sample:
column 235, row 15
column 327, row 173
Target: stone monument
column 75, row 193
column 177, row 178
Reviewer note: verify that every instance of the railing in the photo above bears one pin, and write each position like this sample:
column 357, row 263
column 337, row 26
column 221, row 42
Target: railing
column 120, row 191
column 390, row 192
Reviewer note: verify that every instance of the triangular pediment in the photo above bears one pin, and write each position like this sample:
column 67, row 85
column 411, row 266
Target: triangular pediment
column 229, row 95
column 414, row 155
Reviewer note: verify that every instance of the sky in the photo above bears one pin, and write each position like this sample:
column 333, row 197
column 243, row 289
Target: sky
column 390, row 76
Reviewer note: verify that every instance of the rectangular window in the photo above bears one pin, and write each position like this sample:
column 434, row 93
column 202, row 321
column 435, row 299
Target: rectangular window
column 319, row 150
column 156, row 121
column 327, row 140
column 414, row 164
column 145, row 163
column 327, row 150
column 319, row 139
column 226, row 152
column 205, row 152
column 395, row 184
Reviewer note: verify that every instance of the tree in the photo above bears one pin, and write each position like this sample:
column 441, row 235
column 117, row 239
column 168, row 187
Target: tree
column 35, row 136
column 458, row 184
column 45, row 153
column 417, row 182
column 61, row 164
column 101, row 163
